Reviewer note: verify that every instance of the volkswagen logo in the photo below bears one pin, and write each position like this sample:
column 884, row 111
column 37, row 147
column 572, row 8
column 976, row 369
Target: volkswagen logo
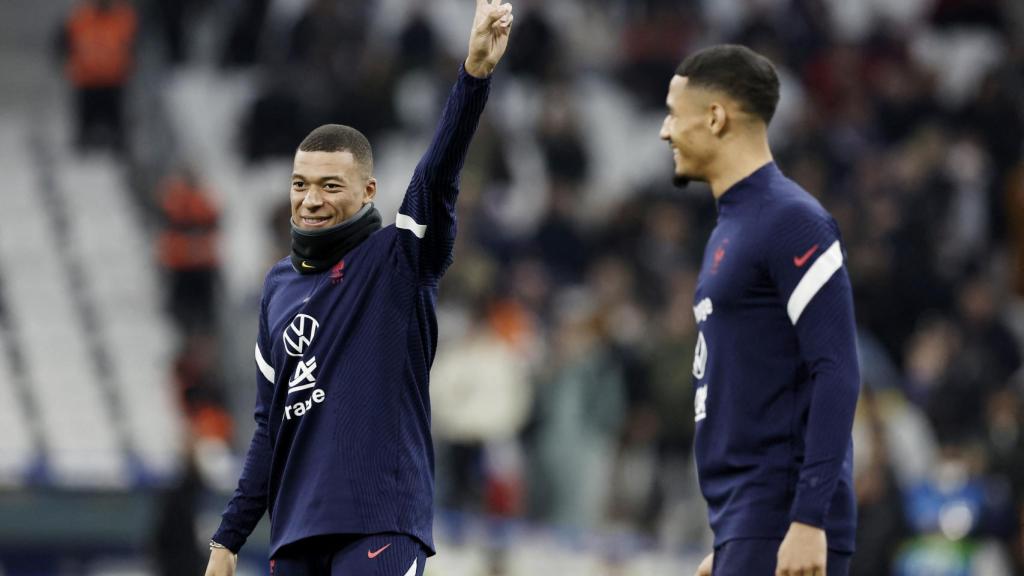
column 299, row 335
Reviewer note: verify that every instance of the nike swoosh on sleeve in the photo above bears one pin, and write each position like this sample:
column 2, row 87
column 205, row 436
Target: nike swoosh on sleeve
column 814, row 279
column 799, row 261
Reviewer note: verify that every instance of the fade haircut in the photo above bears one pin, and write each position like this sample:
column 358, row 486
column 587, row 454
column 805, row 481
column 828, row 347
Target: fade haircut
column 738, row 72
column 340, row 138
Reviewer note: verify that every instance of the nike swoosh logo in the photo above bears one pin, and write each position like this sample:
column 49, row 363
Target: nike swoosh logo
column 372, row 555
column 305, row 265
column 799, row 261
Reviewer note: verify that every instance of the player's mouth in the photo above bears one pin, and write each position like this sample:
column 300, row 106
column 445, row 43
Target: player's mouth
column 314, row 221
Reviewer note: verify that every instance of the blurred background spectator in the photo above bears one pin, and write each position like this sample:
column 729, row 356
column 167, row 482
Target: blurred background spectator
column 97, row 43
column 562, row 395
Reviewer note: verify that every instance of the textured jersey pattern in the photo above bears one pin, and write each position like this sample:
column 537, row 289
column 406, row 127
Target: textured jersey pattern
column 342, row 443
column 776, row 371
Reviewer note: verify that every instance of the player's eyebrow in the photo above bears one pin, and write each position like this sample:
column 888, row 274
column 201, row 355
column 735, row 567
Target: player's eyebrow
column 297, row 176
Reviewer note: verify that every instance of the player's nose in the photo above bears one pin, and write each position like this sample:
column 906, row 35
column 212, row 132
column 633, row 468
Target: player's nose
column 664, row 134
column 313, row 198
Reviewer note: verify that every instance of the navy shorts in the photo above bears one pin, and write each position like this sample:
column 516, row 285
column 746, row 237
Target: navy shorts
column 757, row 557
column 348, row 555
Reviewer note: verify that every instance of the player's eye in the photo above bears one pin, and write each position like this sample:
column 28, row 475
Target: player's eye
column 298, row 184
column 332, row 187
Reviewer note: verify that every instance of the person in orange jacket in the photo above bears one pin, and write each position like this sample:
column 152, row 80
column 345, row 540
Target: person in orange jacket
column 187, row 249
column 98, row 43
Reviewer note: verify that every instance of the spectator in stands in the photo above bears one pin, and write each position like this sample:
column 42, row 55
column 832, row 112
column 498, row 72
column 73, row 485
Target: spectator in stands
column 197, row 383
column 175, row 18
column 881, row 525
column 581, row 403
column 188, row 250
column 245, row 31
column 274, row 120
column 98, row 44
column 565, row 153
column 175, row 540
column 481, row 396
column 330, row 35
column 535, row 53
column 417, row 42
column 678, row 505
column 559, row 239
column 654, row 38
column 997, row 350
column 1004, row 439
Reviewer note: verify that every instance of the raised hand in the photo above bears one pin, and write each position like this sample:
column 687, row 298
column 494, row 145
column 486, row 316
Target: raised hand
column 489, row 38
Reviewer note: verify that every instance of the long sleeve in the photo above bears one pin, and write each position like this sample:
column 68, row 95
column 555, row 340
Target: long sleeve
column 426, row 218
column 806, row 263
column 249, row 501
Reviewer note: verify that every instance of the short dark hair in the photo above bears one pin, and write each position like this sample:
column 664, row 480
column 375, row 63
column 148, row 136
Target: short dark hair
column 739, row 72
column 340, row 138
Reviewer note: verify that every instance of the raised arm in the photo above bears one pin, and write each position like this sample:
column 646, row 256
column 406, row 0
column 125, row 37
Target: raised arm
column 426, row 219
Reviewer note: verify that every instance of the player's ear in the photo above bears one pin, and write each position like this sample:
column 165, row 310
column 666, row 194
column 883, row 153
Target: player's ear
column 371, row 190
column 718, row 119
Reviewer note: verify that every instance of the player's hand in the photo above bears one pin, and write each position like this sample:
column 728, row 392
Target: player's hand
column 705, row 565
column 803, row 552
column 222, row 563
column 489, row 38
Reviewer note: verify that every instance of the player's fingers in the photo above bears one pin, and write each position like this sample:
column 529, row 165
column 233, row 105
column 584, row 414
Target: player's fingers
column 505, row 22
column 498, row 12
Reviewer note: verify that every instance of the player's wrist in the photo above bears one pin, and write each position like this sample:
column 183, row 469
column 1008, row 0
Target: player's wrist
column 218, row 548
column 805, row 527
column 478, row 69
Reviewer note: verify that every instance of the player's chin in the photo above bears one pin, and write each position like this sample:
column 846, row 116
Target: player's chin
column 681, row 178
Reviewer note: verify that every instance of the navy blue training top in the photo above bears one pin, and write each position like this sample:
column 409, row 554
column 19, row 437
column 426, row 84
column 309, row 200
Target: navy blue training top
column 342, row 443
column 775, row 370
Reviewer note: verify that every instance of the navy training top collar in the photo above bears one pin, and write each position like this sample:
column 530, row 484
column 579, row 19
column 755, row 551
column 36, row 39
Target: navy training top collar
column 756, row 180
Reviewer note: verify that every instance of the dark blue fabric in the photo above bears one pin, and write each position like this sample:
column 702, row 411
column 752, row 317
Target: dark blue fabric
column 343, row 444
column 758, row 557
column 775, row 398
column 377, row 555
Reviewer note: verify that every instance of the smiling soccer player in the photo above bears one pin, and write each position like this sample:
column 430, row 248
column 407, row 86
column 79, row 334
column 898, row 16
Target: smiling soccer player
column 342, row 456
column 775, row 369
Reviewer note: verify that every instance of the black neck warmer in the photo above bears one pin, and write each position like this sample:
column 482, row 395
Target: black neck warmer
column 317, row 251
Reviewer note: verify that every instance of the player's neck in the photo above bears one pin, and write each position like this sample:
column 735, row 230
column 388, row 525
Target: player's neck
column 738, row 163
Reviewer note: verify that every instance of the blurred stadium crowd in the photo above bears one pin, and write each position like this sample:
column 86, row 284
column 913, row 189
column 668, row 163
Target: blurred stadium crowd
column 562, row 387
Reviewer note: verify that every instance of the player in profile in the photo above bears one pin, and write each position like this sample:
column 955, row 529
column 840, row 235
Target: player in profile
column 775, row 369
column 342, row 457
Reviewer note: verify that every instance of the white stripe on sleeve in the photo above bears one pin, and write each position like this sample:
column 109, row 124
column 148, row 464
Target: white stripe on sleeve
column 817, row 275
column 265, row 368
column 406, row 223
column 412, row 569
